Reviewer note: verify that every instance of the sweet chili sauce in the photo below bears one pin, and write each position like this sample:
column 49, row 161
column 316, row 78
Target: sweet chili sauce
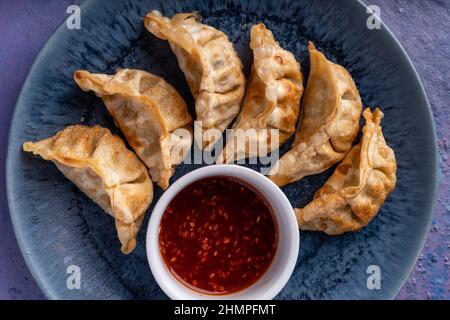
column 218, row 235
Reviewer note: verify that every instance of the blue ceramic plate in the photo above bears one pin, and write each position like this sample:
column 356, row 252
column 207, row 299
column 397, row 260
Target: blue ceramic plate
column 57, row 226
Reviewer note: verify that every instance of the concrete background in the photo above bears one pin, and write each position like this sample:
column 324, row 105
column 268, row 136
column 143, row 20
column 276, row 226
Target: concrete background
column 423, row 28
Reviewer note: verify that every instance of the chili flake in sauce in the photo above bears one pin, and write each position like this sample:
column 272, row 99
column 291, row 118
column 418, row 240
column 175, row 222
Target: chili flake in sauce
column 218, row 235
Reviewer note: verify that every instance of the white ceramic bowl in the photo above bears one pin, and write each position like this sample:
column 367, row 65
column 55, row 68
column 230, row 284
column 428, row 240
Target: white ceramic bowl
column 274, row 279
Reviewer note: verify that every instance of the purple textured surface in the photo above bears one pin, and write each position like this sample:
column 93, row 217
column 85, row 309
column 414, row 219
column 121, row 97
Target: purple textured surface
column 423, row 28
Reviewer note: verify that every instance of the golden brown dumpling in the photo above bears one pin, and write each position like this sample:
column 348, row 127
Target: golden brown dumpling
column 329, row 122
column 358, row 188
column 272, row 99
column 150, row 113
column 210, row 64
column 101, row 166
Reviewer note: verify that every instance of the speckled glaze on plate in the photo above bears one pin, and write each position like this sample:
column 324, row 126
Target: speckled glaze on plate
column 57, row 226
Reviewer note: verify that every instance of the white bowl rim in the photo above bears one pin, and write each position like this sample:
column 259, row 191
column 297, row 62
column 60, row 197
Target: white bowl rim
column 170, row 285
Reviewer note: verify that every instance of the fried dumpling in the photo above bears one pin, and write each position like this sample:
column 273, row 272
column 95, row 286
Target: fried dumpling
column 101, row 166
column 150, row 113
column 358, row 188
column 272, row 99
column 210, row 64
column 329, row 122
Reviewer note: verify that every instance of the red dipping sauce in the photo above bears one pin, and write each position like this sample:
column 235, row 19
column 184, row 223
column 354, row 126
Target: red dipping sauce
column 218, row 235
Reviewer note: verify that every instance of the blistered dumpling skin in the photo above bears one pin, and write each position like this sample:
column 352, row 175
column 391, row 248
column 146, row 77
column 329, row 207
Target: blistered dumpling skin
column 353, row 195
column 101, row 166
column 272, row 99
column 329, row 122
column 150, row 113
column 210, row 64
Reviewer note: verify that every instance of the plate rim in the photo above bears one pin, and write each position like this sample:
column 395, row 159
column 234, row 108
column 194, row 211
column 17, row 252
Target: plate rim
column 48, row 291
